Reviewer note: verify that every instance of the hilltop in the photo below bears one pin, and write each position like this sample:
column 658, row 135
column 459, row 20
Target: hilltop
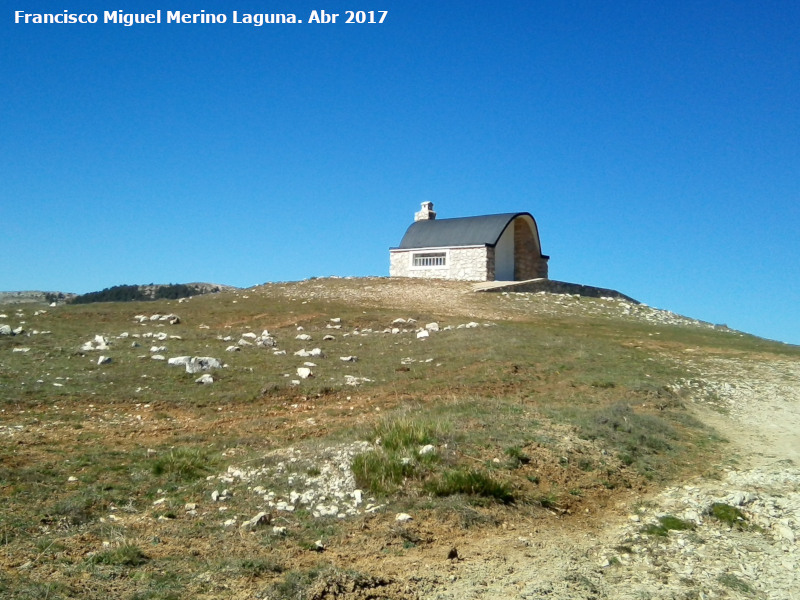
column 151, row 291
column 388, row 438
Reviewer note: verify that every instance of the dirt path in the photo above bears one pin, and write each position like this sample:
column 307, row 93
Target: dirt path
column 760, row 416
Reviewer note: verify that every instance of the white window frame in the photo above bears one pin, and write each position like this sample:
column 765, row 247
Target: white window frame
column 433, row 256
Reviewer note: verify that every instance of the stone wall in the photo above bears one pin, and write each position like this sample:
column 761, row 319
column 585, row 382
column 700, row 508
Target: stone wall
column 557, row 287
column 528, row 261
column 463, row 264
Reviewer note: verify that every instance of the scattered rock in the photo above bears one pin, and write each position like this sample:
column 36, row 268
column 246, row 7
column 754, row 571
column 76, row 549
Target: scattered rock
column 316, row 352
column 259, row 520
column 202, row 363
column 179, row 360
column 204, row 379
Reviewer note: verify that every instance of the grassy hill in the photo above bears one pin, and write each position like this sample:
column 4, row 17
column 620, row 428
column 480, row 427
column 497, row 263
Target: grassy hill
column 127, row 478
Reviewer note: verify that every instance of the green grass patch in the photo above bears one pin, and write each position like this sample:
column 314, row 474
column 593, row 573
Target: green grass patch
column 183, row 464
column 405, row 433
column 728, row 514
column 666, row 524
column 732, row 582
column 470, row 482
column 379, row 472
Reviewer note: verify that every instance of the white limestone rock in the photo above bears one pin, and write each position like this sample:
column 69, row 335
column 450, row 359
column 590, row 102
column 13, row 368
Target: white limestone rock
column 259, row 520
column 202, row 363
column 179, row 360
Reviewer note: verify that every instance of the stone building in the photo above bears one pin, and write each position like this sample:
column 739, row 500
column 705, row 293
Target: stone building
column 501, row 247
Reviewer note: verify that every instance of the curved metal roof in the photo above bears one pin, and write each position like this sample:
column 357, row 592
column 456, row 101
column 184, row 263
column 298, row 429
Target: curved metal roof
column 463, row 231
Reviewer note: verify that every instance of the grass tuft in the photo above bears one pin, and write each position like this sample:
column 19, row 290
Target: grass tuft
column 183, row 464
column 405, row 433
column 379, row 472
column 734, row 583
column 472, row 483
column 727, row 514
column 666, row 524
column 126, row 555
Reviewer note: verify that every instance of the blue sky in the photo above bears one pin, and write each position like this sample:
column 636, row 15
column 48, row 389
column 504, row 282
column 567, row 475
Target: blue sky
column 657, row 144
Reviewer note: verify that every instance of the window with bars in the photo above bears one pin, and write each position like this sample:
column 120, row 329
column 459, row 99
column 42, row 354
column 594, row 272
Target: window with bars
column 429, row 259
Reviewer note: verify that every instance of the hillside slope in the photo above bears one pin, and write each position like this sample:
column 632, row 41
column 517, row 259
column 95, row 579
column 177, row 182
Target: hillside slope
column 377, row 438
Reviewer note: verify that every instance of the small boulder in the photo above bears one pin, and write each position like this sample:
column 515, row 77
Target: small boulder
column 202, row 363
column 259, row 520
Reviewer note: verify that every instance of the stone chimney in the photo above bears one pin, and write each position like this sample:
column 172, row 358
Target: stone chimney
column 426, row 213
